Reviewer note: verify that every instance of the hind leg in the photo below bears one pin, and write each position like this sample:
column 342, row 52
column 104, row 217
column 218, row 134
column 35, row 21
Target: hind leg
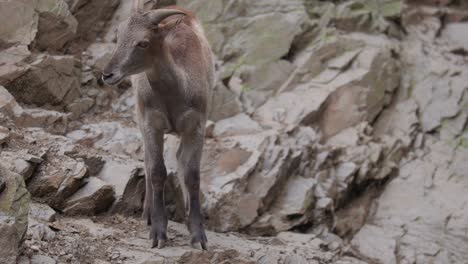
column 189, row 156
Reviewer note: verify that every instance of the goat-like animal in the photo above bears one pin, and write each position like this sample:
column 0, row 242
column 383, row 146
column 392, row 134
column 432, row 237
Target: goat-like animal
column 172, row 68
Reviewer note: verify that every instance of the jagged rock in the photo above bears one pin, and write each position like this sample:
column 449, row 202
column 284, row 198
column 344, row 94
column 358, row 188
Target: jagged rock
column 8, row 104
column 358, row 15
column 53, row 121
column 14, row 206
column 237, row 125
column 118, row 174
column 376, row 245
column 290, row 209
column 59, row 179
column 4, row 135
column 290, row 109
column 79, row 106
column 41, row 212
column 39, row 231
column 227, row 166
column 20, row 24
column 94, row 198
column 343, row 96
column 224, row 103
column 258, row 84
column 110, row 136
column 255, row 44
column 99, row 54
column 92, row 16
column 18, row 162
column 47, row 80
column 453, row 32
column 42, row 259
column 56, row 25
column 50, row 143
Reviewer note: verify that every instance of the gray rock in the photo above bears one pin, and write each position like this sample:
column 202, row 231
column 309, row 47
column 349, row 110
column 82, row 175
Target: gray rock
column 454, row 32
column 4, row 135
column 8, row 104
column 40, row 232
column 56, row 25
column 99, row 54
column 51, row 80
column 42, row 259
column 91, row 16
column 224, row 103
column 57, row 181
column 41, row 212
column 95, row 197
column 113, row 137
column 373, row 243
column 14, row 205
column 22, row 23
column 17, row 162
column 237, row 125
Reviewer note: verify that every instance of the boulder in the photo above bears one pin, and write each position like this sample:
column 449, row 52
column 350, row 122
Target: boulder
column 99, row 54
column 236, row 125
column 57, row 180
column 4, row 135
column 376, row 245
column 14, row 206
column 42, row 212
column 47, row 80
column 20, row 24
column 358, row 15
column 94, row 198
column 92, row 16
column 255, row 45
column 224, row 103
column 56, row 25
column 336, row 84
column 113, row 137
column 19, row 162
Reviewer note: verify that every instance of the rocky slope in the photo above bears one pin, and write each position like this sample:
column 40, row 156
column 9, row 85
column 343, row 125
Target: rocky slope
column 338, row 134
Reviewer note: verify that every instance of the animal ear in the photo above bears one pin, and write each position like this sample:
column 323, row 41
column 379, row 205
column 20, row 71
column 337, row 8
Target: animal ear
column 158, row 15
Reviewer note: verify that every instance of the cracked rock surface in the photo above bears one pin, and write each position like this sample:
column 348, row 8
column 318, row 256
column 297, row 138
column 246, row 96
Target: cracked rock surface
column 337, row 134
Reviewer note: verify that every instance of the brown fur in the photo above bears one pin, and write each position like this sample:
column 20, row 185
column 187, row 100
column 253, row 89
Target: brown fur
column 172, row 70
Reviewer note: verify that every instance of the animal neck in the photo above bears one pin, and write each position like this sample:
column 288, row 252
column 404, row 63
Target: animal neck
column 162, row 75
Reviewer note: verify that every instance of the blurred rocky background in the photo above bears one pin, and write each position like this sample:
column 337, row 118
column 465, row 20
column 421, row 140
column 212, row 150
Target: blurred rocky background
column 338, row 134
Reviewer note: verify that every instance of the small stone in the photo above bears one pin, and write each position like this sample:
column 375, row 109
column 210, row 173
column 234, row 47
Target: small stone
column 35, row 248
column 42, row 259
column 4, row 134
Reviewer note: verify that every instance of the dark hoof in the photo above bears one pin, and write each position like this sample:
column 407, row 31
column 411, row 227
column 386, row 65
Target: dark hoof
column 159, row 239
column 161, row 243
column 198, row 240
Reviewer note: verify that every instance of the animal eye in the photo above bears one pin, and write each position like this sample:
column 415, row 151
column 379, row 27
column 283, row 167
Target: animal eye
column 143, row 44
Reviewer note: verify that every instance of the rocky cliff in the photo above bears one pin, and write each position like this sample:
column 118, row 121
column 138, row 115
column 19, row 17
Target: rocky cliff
column 338, row 134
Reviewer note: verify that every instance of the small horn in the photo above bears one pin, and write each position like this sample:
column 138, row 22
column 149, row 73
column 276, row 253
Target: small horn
column 137, row 6
column 158, row 15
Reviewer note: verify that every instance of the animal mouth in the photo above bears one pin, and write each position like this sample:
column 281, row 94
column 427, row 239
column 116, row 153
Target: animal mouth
column 114, row 80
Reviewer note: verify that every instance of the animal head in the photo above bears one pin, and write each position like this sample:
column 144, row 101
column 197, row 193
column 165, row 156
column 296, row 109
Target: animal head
column 137, row 42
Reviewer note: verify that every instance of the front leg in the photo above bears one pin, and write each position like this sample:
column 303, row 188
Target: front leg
column 156, row 176
column 189, row 156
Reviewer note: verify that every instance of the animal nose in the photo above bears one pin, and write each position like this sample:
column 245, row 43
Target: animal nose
column 106, row 75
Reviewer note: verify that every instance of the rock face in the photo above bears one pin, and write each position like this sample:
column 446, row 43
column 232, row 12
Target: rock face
column 432, row 180
column 47, row 80
column 337, row 128
column 56, row 25
column 14, row 206
column 20, row 26
column 91, row 16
